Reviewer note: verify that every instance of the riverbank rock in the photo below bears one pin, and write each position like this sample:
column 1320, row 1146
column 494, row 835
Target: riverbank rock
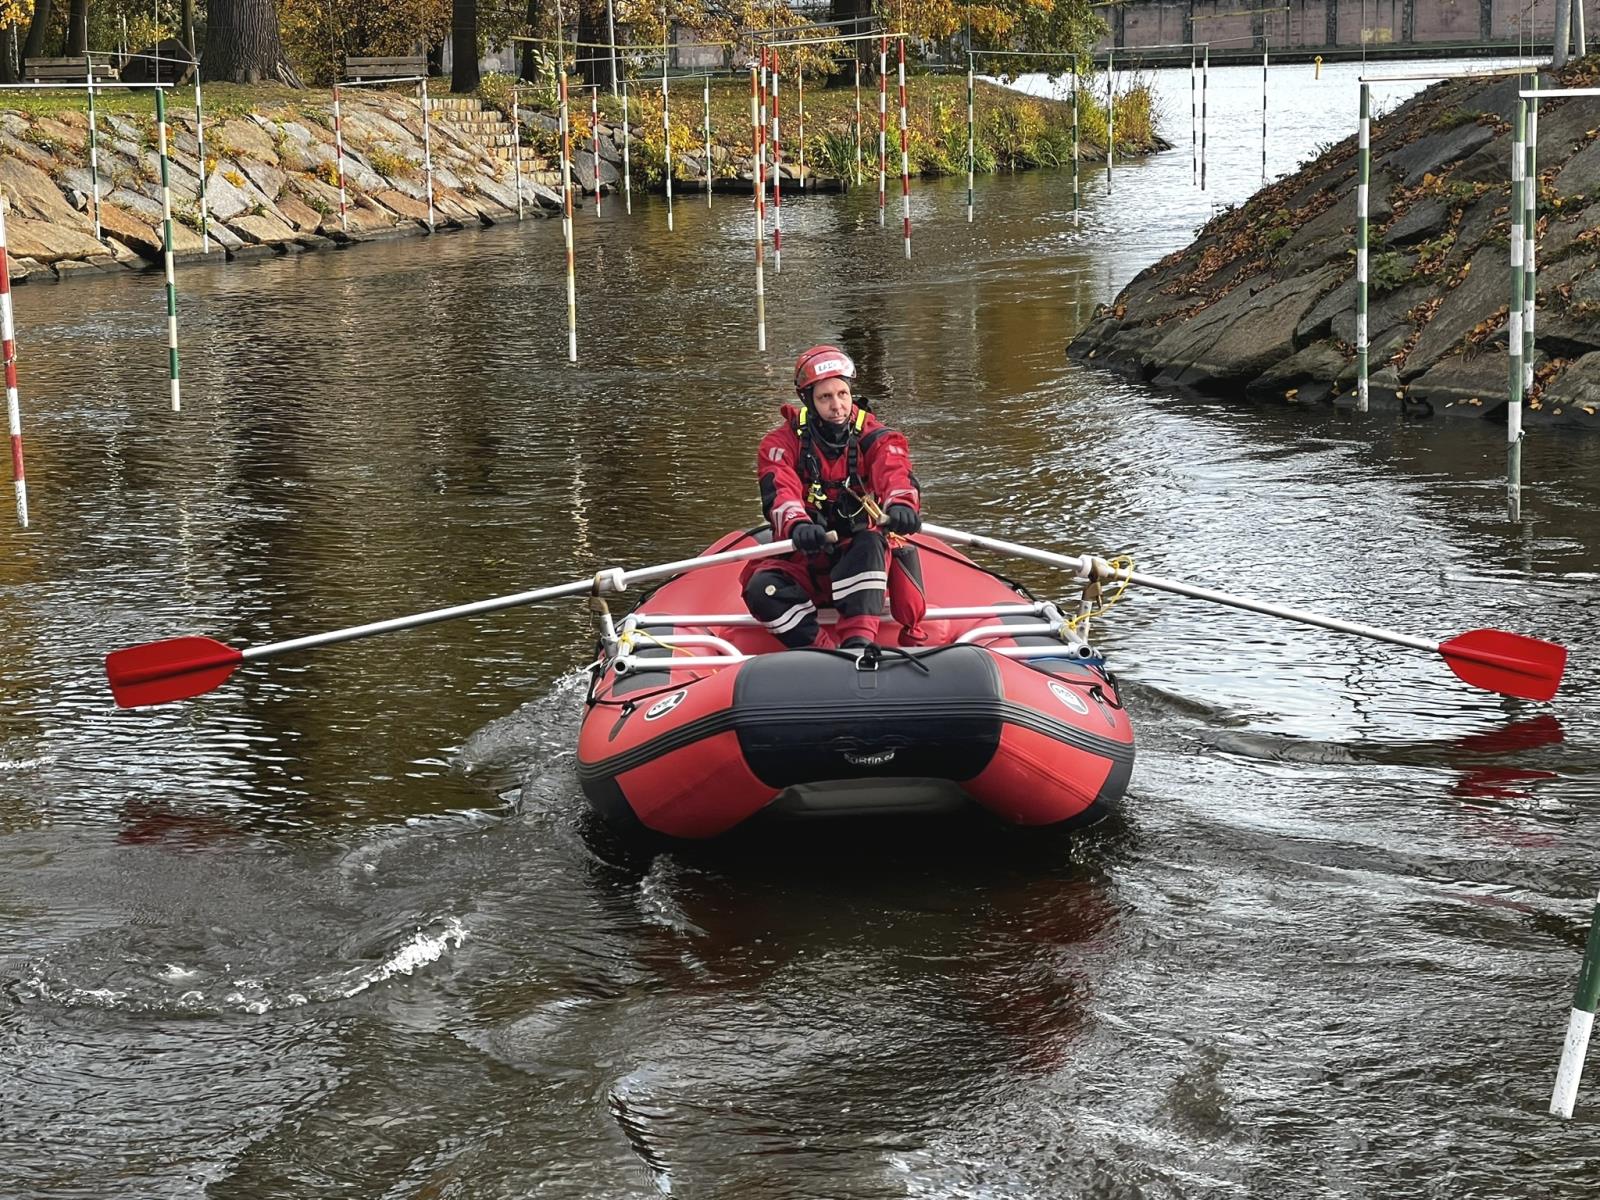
column 1262, row 303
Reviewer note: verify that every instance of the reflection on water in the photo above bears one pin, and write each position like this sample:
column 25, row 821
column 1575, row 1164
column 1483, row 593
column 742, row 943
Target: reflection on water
column 343, row 926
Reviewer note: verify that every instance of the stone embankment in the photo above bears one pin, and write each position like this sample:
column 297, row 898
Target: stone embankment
column 272, row 180
column 1263, row 304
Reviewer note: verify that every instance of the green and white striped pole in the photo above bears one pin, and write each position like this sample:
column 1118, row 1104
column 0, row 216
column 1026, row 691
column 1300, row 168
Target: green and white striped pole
column 1363, row 184
column 971, row 141
column 94, row 149
column 1580, row 1024
column 166, row 231
column 1077, row 217
column 200, row 137
column 706, row 100
column 1516, row 218
column 1530, row 241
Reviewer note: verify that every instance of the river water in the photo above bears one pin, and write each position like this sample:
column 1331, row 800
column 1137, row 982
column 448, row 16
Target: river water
column 343, row 928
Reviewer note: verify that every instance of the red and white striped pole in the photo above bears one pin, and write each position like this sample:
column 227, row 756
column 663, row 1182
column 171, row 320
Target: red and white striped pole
column 883, row 129
column 338, row 143
column 760, row 214
column 905, row 155
column 777, row 176
column 594, row 142
column 13, row 411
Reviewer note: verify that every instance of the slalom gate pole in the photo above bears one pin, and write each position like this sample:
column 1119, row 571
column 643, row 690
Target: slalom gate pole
column 666, row 139
column 1580, row 1024
column 200, row 139
column 9, row 346
column 1530, row 240
column 1077, row 215
column 427, row 151
column 760, row 215
column 858, row 122
column 777, row 176
column 800, row 102
column 707, row 95
column 1263, row 108
column 566, row 219
column 1111, row 117
column 905, row 153
column 1517, row 218
column 594, row 144
column 94, row 153
column 971, row 142
column 627, row 167
column 1363, row 183
column 883, row 129
column 764, row 53
column 1205, row 80
column 338, row 152
column 166, row 236
column 516, row 147
column 1194, row 117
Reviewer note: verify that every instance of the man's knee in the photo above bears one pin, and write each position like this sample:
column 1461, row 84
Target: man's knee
column 778, row 601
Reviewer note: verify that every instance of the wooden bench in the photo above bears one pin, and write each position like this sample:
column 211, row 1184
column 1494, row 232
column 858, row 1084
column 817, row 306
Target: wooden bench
column 68, row 70
column 385, row 67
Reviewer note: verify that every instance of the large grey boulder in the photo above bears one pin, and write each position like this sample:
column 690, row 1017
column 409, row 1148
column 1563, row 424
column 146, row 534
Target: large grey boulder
column 1486, row 289
column 1431, row 154
column 1241, row 335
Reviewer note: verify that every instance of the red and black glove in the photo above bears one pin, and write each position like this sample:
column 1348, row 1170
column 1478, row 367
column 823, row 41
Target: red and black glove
column 901, row 519
column 809, row 537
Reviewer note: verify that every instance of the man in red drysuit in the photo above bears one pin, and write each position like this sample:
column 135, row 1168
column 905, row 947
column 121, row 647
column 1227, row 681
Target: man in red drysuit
column 831, row 467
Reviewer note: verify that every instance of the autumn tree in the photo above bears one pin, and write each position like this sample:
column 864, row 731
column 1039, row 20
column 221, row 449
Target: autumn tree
column 244, row 45
column 14, row 14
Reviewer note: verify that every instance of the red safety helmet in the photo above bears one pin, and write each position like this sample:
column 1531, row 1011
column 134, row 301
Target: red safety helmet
column 819, row 363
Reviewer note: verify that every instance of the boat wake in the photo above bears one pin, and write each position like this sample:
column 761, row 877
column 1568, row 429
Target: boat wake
column 128, row 981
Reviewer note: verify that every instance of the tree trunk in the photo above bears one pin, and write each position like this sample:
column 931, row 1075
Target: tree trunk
column 864, row 51
column 591, row 28
column 9, row 66
column 530, row 68
column 463, row 46
column 244, row 45
column 77, row 43
column 1559, row 50
column 186, row 27
column 38, row 30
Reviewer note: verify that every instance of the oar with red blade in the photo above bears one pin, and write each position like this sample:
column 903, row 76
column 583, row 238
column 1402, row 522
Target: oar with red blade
column 175, row 669
column 1492, row 659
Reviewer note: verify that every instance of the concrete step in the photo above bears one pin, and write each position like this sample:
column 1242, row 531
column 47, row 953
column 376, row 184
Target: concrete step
column 462, row 104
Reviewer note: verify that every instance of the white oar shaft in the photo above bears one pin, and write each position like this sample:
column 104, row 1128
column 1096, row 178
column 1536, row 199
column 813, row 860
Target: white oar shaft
column 609, row 579
column 1080, row 566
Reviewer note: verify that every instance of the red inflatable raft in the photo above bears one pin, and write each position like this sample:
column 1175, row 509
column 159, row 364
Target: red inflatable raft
column 699, row 720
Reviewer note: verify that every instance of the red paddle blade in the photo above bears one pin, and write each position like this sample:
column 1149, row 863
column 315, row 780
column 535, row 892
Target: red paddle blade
column 1508, row 663
column 160, row 672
